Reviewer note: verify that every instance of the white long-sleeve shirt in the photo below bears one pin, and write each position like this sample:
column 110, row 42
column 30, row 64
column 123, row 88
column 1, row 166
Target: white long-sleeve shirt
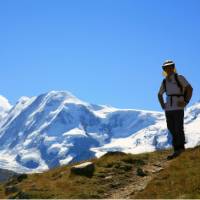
column 171, row 89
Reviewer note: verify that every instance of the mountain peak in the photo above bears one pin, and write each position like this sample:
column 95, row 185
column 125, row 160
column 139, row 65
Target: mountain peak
column 63, row 96
column 60, row 92
column 4, row 104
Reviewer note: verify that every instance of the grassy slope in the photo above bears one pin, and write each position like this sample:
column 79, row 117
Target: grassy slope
column 180, row 180
column 113, row 172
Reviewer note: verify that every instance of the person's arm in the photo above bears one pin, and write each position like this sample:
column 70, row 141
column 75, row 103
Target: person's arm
column 160, row 96
column 161, row 100
column 189, row 92
column 188, row 89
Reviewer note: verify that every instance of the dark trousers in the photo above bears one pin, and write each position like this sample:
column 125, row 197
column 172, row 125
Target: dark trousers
column 175, row 124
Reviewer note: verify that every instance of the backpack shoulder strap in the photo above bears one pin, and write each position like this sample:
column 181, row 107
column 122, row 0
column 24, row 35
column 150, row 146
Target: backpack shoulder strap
column 178, row 82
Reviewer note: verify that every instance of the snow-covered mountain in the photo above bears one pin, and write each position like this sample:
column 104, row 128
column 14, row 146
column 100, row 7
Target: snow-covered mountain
column 57, row 128
column 5, row 106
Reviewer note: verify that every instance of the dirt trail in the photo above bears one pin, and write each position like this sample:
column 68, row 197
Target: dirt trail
column 138, row 183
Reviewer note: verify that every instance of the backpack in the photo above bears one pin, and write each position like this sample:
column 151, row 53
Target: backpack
column 183, row 93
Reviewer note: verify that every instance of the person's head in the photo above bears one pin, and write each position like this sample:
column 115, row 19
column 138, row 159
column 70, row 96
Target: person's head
column 169, row 67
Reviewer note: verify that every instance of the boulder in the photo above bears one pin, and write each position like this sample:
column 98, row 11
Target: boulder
column 84, row 169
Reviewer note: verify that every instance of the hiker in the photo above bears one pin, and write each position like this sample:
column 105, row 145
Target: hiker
column 179, row 92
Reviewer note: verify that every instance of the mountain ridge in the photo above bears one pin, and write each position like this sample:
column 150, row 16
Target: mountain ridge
column 57, row 128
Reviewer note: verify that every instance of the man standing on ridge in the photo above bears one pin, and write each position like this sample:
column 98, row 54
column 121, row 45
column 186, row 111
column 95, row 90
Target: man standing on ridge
column 179, row 92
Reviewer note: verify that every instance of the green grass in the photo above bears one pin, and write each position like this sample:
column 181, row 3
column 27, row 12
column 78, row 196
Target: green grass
column 180, row 180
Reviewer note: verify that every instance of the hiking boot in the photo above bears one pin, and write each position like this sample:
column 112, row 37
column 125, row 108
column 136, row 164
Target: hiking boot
column 175, row 154
column 172, row 156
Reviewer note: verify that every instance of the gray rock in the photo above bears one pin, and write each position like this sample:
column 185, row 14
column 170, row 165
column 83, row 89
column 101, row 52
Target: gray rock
column 141, row 172
column 84, row 169
column 108, row 177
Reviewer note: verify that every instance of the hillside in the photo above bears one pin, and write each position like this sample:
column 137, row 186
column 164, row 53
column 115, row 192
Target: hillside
column 181, row 179
column 117, row 175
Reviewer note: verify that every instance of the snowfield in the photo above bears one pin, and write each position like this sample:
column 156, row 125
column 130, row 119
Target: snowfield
column 57, row 128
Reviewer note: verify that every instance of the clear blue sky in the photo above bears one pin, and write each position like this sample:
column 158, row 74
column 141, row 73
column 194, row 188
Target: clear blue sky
column 102, row 51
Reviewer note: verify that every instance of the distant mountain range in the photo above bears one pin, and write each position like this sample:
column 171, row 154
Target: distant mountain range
column 57, row 128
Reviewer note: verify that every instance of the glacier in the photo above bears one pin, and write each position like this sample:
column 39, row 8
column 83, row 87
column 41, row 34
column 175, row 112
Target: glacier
column 56, row 128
